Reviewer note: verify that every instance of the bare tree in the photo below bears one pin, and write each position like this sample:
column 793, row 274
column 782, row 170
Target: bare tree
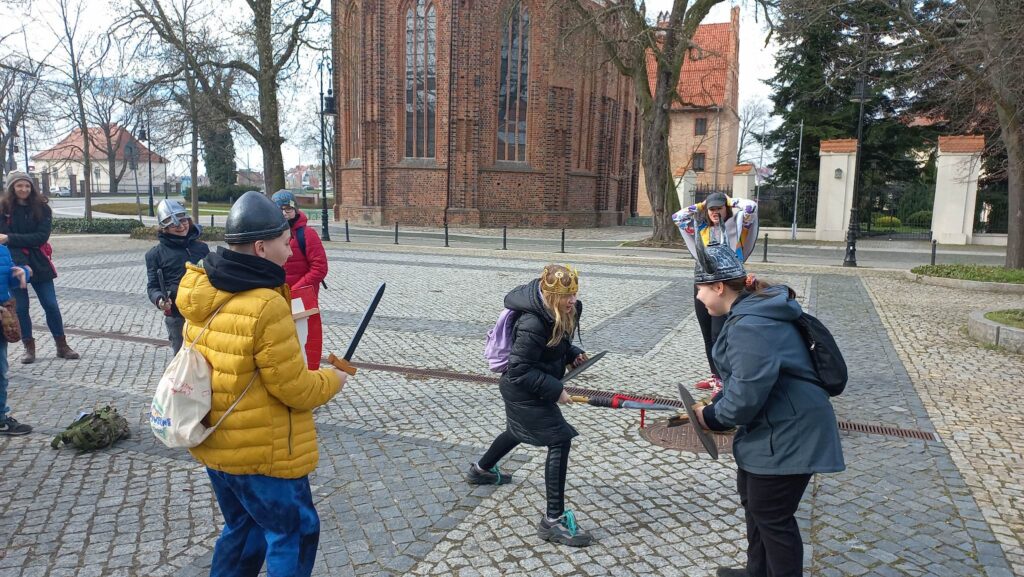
column 753, row 119
column 628, row 38
column 266, row 50
column 83, row 55
column 970, row 53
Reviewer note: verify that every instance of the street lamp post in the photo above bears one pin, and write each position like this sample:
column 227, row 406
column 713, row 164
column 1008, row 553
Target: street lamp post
column 144, row 137
column 859, row 96
column 327, row 108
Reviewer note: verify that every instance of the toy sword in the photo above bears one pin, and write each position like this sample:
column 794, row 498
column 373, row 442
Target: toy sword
column 583, row 366
column 163, row 288
column 343, row 364
column 705, row 438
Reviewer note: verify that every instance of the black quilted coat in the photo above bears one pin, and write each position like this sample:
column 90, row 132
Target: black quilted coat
column 531, row 385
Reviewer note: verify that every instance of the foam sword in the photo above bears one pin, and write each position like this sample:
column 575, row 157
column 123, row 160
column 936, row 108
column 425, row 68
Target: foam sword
column 344, row 364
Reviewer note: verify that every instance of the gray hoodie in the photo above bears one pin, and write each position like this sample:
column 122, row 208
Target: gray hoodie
column 786, row 425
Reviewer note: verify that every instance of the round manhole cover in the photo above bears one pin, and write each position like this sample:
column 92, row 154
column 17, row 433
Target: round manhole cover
column 682, row 438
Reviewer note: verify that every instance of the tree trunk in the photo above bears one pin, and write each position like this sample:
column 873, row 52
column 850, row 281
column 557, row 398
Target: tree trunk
column 271, row 141
column 1013, row 138
column 661, row 188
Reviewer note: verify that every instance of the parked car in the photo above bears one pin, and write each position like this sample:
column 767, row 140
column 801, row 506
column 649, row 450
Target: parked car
column 60, row 191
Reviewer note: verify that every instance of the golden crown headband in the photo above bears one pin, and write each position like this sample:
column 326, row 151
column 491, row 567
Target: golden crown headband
column 556, row 285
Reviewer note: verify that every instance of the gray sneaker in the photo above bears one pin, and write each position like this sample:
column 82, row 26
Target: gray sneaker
column 13, row 428
column 564, row 531
column 478, row 476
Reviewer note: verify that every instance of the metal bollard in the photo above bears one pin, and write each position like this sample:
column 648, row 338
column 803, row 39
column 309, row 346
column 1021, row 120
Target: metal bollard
column 935, row 245
column 504, row 238
column 764, row 258
column 346, row 231
column 563, row 241
column 446, row 234
column 211, row 220
column 396, row 232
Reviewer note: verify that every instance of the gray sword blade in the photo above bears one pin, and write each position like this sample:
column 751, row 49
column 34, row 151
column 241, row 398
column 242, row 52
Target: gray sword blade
column 586, row 365
column 705, row 438
column 364, row 323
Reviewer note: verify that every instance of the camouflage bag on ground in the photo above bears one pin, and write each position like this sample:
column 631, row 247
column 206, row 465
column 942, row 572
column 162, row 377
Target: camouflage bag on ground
column 93, row 431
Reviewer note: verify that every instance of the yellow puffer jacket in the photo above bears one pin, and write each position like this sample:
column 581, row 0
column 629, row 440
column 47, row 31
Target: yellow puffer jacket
column 271, row 431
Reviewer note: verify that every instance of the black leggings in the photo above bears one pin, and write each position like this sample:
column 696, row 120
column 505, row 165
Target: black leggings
column 709, row 328
column 554, row 470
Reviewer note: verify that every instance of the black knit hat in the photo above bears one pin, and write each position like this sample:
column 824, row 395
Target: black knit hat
column 253, row 217
column 716, row 263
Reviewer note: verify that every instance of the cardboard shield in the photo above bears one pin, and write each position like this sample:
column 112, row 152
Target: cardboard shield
column 309, row 328
column 702, row 435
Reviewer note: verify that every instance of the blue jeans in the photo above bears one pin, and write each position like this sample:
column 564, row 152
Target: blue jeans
column 3, row 380
column 48, row 299
column 264, row 517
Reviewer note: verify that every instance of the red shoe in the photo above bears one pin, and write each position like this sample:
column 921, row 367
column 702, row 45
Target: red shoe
column 708, row 383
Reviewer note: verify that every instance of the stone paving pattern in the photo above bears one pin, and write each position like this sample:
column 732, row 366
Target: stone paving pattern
column 389, row 487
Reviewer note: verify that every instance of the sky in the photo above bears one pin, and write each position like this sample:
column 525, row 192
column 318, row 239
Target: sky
column 39, row 16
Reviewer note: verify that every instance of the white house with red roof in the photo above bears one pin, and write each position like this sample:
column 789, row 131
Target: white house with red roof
column 109, row 149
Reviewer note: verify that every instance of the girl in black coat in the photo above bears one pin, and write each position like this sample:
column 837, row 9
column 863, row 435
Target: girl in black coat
column 531, row 388
column 25, row 221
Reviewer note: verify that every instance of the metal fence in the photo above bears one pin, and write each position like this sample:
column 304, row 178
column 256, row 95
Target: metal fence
column 701, row 192
column 775, row 205
column 992, row 210
column 897, row 210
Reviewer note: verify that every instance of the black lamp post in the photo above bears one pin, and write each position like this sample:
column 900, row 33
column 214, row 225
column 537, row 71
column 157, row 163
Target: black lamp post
column 144, row 137
column 859, row 96
column 327, row 108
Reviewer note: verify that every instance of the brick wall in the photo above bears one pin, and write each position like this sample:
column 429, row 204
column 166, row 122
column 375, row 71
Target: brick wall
column 381, row 185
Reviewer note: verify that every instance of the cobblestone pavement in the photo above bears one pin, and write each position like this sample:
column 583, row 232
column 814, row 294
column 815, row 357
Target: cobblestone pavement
column 394, row 445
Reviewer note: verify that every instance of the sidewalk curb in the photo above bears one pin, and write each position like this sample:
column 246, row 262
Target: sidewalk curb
column 684, row 263
column 971, row 285
column 993, row 333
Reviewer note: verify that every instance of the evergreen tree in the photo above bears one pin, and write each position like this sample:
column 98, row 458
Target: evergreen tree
column 816, row 75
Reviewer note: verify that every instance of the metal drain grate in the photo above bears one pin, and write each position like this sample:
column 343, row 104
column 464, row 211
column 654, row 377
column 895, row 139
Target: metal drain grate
column 887, row 431
column 658, row 434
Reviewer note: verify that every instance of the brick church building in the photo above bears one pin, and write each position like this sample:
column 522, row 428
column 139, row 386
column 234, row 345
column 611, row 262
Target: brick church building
column 520, row 135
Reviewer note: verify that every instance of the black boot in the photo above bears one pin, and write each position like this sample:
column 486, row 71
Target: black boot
column 730, row 572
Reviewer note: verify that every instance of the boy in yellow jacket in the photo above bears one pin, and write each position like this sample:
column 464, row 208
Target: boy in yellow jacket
column 260, row 457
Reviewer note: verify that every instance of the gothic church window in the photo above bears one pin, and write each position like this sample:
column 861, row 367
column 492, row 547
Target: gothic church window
column 420, row 79
column 513, row 89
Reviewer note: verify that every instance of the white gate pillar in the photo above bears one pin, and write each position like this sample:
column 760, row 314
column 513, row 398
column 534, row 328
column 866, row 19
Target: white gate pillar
column 835, row 188
column 956, row 188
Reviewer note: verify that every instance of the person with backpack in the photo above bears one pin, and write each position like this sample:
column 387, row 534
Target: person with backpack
column 25, row 229
column 727, row 221
column 548, row 313
column 772, row 393
column 238, row 315
column 308, row 264
column 14, row 277
column 178, row 243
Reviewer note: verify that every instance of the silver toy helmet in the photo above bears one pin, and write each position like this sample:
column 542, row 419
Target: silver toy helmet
column 170, row 213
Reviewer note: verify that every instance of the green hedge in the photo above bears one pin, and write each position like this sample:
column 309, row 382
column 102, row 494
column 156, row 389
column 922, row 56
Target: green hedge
column 920, row 218
column 972, row 272
column 210, row 233
column 97, row 226
column 885, row 221
column 226, row 194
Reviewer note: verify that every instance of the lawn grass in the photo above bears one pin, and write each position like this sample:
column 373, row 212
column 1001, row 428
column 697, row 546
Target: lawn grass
column 130, row 209
column 972, row 272
column 1010, row 317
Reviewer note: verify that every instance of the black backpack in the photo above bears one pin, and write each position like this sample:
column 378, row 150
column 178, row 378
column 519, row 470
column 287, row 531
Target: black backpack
column 825, row 354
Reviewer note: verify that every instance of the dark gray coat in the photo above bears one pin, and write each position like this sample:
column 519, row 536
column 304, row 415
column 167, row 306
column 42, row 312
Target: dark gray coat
column 786, row 425
column 531, row 385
